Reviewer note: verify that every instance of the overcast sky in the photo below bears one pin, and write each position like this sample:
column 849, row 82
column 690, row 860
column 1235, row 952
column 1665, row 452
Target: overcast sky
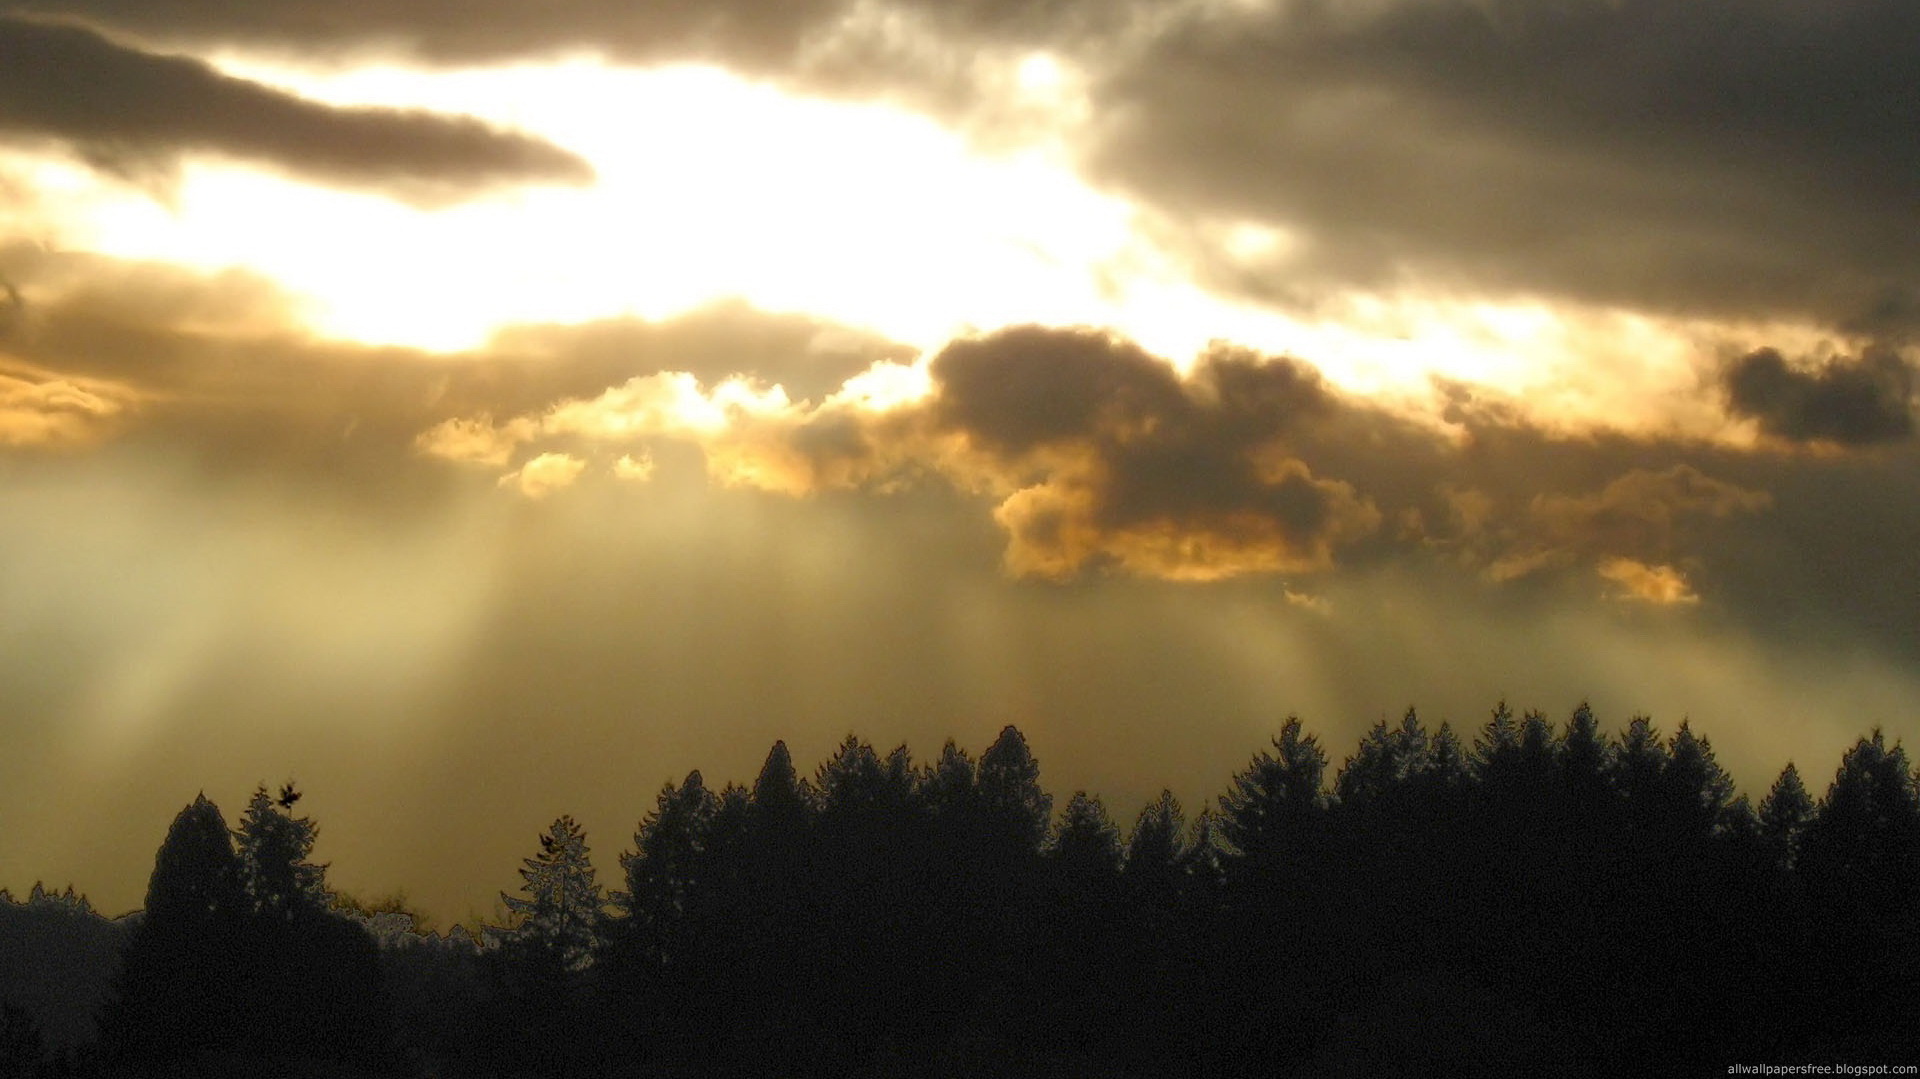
column 482, row 411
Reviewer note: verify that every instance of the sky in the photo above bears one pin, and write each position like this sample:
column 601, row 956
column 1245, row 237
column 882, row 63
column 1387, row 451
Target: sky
column 485, row 411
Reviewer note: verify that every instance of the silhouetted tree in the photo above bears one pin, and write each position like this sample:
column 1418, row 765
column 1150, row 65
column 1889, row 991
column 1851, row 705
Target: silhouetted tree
column 1085, row 849
column 561, row 911
column 1154, row 871
column 780, row 804
column 1860, row 863
column 1498, row 745
column 1638, row 765
column 274, row 847
column 661, row 872
column 1611, row 904
column 1075, row 958
column 1276, row 881
column 1011, row 799
column 871, row 879
column 182, row 980
column 235, row 967
column 1275, row 805
column 1698, row 792
column 1784, row 815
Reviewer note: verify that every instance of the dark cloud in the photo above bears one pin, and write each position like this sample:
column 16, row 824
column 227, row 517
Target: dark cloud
column 131, row 111
column 1848, row 400
column 1702, row 156
column 933, row 52
column 1140, row 468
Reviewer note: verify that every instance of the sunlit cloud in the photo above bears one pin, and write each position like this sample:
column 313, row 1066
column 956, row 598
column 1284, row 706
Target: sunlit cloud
column 634, row 469
column 544, row 474
column 1659, row 585
column 475, row 440
column 56, row 411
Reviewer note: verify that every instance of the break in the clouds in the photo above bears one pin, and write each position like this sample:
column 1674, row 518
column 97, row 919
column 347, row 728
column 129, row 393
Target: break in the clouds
column 1748, row 160
column 1849, row 400
column 134, row 112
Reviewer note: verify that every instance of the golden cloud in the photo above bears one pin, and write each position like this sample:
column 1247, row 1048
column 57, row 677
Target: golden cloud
column 58, row 411
column 475, row 440
column 545, row 474
column 1660, row 585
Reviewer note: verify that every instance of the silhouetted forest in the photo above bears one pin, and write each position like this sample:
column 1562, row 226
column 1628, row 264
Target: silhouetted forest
column 1526, row 899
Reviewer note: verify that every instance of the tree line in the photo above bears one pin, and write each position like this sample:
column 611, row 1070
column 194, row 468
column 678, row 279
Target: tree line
column 1534, row 896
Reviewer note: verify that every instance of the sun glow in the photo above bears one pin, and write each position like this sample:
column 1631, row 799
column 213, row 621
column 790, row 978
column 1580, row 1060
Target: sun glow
column 709, row 186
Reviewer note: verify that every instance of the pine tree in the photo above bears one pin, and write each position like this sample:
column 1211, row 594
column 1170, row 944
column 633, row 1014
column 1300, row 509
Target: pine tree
column 662, row 870
column 563, row 905
column 1585, row 759
column 1640, row 759
column 1697, row 790
column 780, row 804
column 949, row 786
column 1498, row 745
column 181, row 982
column 1385, row 761
column 1860, row 863
column 1276, row 802
column 1784, row 814
column 1370, row 771
column 1010, row 793
column 1273, row 871
column 1446, row 766
column 1866, row 833
column 1155, row 849
column 274, row 846
column 196, row 877
column 1085, row 848
column 852, row 781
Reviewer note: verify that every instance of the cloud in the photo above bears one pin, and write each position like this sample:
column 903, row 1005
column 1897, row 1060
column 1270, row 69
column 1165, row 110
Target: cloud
column 1099, row 455
column 544, row 474
column 1074, row 452
column 1642, row 509
column 1750, row 159
column 850, row 43
column 634, row 469
column 133, row 112
column 1659, row 585
column 1637, row 517
column 221, row 368
column 1746, row 160
column 474, row 440
column 1138, row 467
column 1847, row 400
column 55, row 412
